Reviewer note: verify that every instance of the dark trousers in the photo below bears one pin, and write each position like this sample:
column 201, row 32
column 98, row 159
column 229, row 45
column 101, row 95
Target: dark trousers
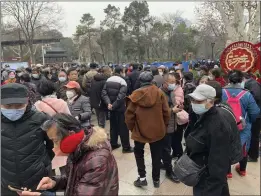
column 156, row 153
column 101, row 117
column 199, row 189
column 254, row 145
column 177, row 141
column 166, row 152
column 118, row 127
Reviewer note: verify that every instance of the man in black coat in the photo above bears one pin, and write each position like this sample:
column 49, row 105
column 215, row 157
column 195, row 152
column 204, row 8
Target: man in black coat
column 208, row 143
column 255, row 89
column 26, row 150
column 134, row 76
column 113, row 95
column 96, row 87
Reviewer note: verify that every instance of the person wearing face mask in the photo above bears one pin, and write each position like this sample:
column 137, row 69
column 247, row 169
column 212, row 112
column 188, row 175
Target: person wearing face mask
column 59, row 85
column 157, row 78
column 92, row 168
column 207, row 143
column 26, row 150
column 37, row 76
column 168, row 89
column 11, row 78
column 78, row 104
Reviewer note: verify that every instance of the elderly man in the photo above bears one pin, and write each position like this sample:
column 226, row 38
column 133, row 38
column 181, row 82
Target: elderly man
column 147, row 116
column 208, row 143
column 26, row 150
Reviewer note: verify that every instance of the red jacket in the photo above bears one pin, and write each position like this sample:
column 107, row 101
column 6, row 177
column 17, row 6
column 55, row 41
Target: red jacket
column 221, row 81
column 91, row 169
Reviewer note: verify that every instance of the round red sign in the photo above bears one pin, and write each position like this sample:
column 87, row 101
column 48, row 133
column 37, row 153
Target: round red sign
column 240, row 55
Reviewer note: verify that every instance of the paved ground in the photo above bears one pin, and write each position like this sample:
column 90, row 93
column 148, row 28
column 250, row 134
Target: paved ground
column 249, row 185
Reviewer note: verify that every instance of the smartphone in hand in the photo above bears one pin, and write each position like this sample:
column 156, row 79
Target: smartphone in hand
column 15, row 188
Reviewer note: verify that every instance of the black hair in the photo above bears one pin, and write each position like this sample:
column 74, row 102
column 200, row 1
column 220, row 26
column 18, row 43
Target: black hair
column 147, row 69
column 78, row 91
column 172, row 69
column 82, row 71
column 217, row 86
column 177, row 77
column 46, row 87
column 216, row 73
column 25, row 77
column 235, row 76
column 93, row 65
column 154, row 70
column 118, row 69
column 134, row 66
column 71, row 69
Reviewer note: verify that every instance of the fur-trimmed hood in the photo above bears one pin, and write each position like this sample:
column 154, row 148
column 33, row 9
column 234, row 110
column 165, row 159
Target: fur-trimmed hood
column 94, row 139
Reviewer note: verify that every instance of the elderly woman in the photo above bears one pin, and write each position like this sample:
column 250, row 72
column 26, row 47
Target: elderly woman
column 91, row 168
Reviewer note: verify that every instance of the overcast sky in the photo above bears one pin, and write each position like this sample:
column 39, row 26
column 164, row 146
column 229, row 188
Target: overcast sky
column 73, row 11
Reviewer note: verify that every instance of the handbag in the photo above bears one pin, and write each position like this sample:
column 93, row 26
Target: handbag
column 187, row 171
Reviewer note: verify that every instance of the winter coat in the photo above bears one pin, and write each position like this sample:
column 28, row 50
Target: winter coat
column 172, row 126
column 37, row 83
column 81, row 107
column 49, row 104
column 114, row 92
column 221, row 81
column 179, row 95
column 255, row 89
column 208, row 144
column 91, row 169
column 97, row 85
column 134, row 76
column 188, row 88
column 61, row 107
column 61, row 90
column 147, row 114
column 8, row 81
column 32, row 92
column 87, row 79
column 158, row 80
column 26, row 150
column 250, row 111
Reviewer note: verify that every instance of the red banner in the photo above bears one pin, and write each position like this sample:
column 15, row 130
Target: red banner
column 241, row 55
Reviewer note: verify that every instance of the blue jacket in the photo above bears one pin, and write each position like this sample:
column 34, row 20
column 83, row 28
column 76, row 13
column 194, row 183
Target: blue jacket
column 250, row 110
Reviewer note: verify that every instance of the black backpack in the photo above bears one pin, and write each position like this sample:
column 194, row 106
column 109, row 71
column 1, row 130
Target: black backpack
column 227, row 116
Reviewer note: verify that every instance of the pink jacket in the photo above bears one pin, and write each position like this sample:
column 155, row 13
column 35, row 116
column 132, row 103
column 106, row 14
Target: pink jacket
column 179, row 96
column 61, row 107
column 58, row 104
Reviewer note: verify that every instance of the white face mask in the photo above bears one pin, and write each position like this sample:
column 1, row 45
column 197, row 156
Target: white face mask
column 70, row 94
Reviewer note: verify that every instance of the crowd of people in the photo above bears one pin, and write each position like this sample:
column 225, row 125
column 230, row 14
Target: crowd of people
column 46, row 121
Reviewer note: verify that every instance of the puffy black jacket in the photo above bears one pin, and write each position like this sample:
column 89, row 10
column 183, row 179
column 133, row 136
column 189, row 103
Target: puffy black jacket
column 26, row 151
column 97, row 85
column 208, row 143
column 114, row 92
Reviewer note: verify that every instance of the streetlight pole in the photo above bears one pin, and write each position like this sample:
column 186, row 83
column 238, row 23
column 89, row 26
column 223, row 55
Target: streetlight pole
column 212, row 46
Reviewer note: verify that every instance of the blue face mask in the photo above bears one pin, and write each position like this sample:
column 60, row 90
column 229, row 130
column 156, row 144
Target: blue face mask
column 62, row 79
column 171, row 87
column 199, row 108
column 13, row 114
